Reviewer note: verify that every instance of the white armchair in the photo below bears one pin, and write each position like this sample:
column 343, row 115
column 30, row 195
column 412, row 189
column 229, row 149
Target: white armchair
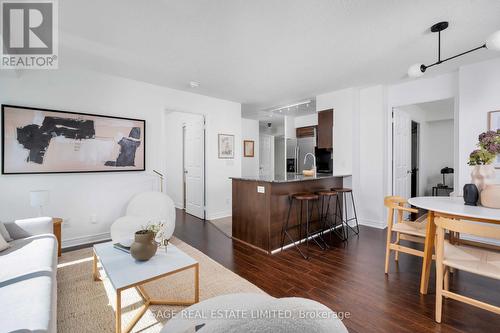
column 144, row 208
column 29, row 227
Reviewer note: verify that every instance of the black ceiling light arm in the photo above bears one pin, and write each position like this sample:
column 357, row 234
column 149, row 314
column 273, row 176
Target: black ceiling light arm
column 438, row 27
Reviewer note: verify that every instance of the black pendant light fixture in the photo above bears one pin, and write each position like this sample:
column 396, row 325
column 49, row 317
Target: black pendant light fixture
column 417, row 70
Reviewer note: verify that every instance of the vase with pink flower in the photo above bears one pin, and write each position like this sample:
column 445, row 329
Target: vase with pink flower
column 481, row 159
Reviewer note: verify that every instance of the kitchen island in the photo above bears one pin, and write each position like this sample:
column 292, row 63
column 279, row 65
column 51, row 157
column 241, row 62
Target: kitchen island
column 260, row 207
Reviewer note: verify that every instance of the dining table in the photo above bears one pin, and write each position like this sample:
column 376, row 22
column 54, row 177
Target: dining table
column 448, row 207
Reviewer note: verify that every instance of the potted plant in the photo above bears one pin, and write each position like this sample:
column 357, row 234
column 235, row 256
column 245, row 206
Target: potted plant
column 482, row 158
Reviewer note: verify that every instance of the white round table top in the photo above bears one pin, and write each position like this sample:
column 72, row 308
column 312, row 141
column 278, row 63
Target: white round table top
column 454, row 206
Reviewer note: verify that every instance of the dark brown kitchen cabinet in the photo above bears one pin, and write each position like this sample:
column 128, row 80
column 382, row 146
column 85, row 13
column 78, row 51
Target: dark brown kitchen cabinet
column 304, row 132
column 325, row 129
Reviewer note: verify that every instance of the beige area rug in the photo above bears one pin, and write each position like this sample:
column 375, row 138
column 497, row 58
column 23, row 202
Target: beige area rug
column 84, row 305
column 225, row 225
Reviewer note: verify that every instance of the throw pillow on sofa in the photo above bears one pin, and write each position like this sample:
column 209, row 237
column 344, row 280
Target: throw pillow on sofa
column 3, row 243
column 4, row 232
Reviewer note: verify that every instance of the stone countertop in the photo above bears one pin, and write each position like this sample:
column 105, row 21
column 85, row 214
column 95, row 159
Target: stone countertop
column 289, row 178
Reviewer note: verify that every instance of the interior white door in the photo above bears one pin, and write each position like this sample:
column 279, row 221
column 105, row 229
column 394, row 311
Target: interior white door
column 402, row 154
column 194, row 168
column 266, row 158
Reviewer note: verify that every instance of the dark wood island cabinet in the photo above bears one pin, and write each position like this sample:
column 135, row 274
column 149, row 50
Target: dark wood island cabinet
column 260, row 208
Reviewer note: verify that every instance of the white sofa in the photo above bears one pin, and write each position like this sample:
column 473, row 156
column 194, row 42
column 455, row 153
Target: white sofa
column 28, row 285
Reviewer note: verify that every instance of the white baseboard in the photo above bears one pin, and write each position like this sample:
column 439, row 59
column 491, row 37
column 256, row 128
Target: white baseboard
column 85, row 239
column 218, row 215
column 372, row 223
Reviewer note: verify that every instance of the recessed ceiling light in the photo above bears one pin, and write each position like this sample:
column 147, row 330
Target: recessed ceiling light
column 194, row 84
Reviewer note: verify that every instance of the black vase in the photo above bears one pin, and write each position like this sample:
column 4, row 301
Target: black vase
column 471, row 194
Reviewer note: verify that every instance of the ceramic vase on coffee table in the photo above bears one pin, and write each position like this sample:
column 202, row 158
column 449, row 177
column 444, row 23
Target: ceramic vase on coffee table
column 144, row 246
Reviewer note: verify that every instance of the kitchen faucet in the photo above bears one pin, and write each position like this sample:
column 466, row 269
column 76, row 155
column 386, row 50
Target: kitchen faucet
column 314, row 162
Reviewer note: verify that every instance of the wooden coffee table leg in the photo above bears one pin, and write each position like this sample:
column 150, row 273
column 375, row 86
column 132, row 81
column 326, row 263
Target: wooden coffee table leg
column 118, row 316
column 428, row 249
column 95, row 271
column 197, row 283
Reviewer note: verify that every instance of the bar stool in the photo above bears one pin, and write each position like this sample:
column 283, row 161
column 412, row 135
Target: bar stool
column 300, row 198
column 327, row 195
column 344, row 193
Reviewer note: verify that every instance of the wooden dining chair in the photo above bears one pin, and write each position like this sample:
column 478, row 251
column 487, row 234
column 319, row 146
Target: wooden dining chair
column 413, row 231
column 476, row 260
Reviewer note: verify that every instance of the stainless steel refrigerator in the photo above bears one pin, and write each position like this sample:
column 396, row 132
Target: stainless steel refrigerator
column 296, row 150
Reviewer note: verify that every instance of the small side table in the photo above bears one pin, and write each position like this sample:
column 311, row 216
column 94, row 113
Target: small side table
column 436, row 189
column 56, row 223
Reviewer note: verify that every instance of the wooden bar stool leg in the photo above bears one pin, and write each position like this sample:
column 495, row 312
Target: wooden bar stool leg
column 344, row 214
column 300, row 221
column 355, row 214
column 307, row 227
column 285, row 226
column 339, row 216
column 330, row 227
column 322, row 226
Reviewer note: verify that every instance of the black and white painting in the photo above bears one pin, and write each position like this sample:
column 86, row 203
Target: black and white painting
column 50, row 141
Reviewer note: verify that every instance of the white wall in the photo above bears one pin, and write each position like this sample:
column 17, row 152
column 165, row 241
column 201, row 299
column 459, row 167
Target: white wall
column 250, row 131
column 479, row 93
column 307, row 120
column 76, row 197
column 369, row 144
column 344, row 104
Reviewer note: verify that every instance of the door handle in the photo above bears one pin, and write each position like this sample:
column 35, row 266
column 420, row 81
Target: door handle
column 185, row 171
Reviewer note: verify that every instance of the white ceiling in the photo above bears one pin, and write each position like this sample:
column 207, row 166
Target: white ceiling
column 269, row 52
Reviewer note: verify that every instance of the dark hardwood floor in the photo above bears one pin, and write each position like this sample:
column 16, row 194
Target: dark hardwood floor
column 350, row 278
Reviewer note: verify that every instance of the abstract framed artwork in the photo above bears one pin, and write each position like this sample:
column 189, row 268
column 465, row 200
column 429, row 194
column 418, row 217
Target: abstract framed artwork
column 226, row 146
column 248, row 148
column 493, row 125
column 38, row 141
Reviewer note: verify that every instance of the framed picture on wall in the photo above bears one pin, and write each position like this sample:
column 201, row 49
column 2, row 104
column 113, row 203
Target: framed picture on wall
column 226, row 146
column 493, row 125
column 248, row 148
column 38, row 140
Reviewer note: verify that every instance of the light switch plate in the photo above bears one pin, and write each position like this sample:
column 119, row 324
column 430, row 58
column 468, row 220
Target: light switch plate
column 261, row 189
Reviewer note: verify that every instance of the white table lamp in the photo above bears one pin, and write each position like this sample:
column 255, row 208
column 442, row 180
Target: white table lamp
column 39, row 199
